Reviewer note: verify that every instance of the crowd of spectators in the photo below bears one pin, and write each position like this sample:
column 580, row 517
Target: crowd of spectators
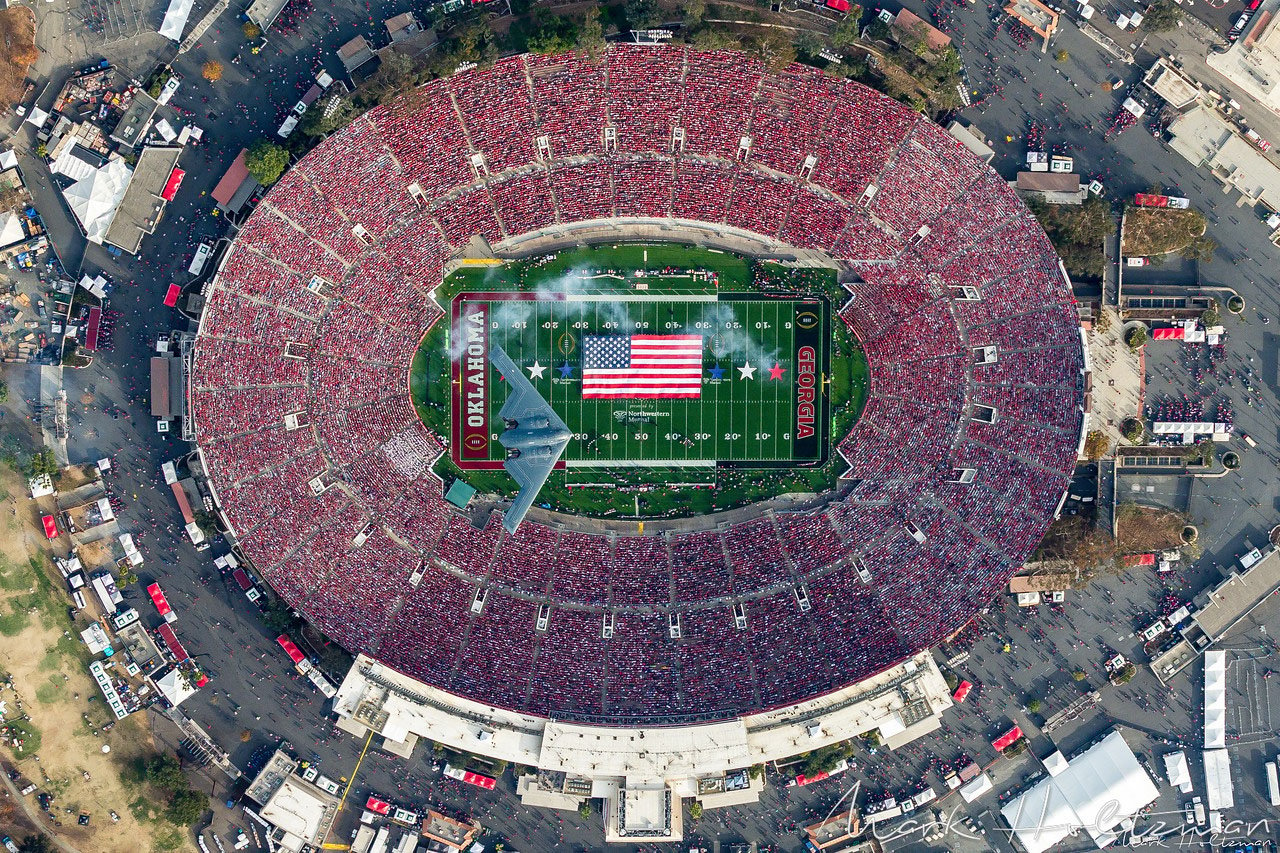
column 324, row 471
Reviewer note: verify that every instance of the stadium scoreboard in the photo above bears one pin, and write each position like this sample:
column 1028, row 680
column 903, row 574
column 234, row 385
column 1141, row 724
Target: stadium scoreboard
column 737, row 379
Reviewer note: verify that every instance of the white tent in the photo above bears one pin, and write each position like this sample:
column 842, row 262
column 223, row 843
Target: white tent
column 976, row 787
column 175, row 687
column 1099, row 792
column 8, row 160
column 1215, row 699
column 175, row 19
column 1175, row 766
column 1220, row 794
column 95, row 199
column 11, row 230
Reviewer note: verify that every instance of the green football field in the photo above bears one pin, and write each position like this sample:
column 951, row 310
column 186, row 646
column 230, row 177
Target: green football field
column 761, row 399
column 636, row 458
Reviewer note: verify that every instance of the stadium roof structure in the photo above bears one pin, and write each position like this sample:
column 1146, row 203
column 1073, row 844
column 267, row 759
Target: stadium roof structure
column 324, row 296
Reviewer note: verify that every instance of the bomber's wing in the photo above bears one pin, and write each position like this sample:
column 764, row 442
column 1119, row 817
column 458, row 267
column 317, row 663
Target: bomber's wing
column 523, row 400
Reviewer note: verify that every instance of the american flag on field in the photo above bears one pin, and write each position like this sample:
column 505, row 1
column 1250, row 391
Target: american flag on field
column 618, row 367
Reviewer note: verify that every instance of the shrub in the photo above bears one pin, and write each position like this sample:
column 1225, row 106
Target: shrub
column 1136, row 337
column 1133, row 430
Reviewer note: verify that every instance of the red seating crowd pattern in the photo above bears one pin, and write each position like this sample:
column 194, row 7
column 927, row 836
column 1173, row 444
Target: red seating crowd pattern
column 301, row 406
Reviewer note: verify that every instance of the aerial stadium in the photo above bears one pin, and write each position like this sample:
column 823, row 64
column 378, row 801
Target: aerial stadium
column 660, row 394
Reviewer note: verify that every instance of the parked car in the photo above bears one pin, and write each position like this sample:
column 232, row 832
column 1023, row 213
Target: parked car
column 1137, row 262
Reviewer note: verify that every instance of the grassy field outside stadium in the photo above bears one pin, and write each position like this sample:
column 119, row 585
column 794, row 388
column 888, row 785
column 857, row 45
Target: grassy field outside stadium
column 647, row 458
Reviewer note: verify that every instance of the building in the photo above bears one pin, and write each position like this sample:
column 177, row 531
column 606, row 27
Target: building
column 264, row 12
column 132, row 127
column 907, row 22
column 1035, row 16
column 1171, row 85
column 402, row 26
column 1098, row 791
column 236, row 186
column 355, row 53
column 1051, row 187
column 1253, row 62
column 641, row 773
column 445, row 830
column 970, row 137
column 300, row 814
column 155, row 181
column 1207, row 140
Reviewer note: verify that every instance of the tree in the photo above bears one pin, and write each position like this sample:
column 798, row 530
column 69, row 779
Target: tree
column 1136, row 337
column 848, row 31
column 584, row 809
column 1200, row 249
column 327, row 115
column 266, row 161
column 4, row 391
column 42, row 462
column 642, row 14
column 694, row 11
column 245, row 735
column 775, row 50
column 1210, row 316
column 278, row 617
column 1062, row 55
column 1096, row 445
column 552, row 33
column 36, row 844
column 1078, row 674
column 165, row 772
column 211, row 71
column 695, row 810
column 128, row 576
column 394, row 76
column 809, row 43
column 187, row 806
column 1133, row 430
column 591, row 34
column 1162, row 16
column 251, row 30
column 1034, row 706
column 711, row 38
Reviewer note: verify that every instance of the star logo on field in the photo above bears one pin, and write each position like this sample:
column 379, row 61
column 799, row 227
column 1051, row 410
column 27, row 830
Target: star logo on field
column 717, row 372
column 747, row 371
column 776, row 371
column 565, row 370
column 536, row 371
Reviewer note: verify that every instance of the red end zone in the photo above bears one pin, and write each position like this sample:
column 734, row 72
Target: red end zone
column 469, row 332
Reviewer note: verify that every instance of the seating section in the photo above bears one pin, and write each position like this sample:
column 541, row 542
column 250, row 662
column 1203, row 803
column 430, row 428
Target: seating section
column 325, row 295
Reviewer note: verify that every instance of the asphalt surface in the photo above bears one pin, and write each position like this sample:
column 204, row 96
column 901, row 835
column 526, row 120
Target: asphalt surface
column 252, row 687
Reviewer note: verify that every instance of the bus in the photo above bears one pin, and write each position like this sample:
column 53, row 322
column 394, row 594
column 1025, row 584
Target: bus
column 1273, row 784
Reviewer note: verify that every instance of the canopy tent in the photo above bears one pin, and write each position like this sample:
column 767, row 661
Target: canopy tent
column 171, row 186
column 11, row 230
column 175, row 19
column 290, row 649
column 1175, row 767
column 95, row 199
column 962, row 691
column 1215, row 699
column 1219, row 792
column 175, row 687
column 1101, row 789
column 976, row 787
column 1007, row 739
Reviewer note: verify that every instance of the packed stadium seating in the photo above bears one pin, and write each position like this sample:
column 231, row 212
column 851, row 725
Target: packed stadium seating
column 376, row 210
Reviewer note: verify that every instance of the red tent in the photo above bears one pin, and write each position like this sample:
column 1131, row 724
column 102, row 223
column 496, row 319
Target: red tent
column 50, row 526
column 377, row 806
column 838, row 5
column 158, row 599
column 1176, row 333
column 91, row 332
column 290, row 649
column 171, row 640
column 171, row 295
column 1008, row 738
column 962, row 691
column 171, row 186
column 480, row 781
column 1135, row 560
column 809, row 780
column 202, row 680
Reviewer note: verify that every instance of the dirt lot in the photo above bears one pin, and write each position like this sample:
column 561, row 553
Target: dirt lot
column 45, row 662
column 17, row 51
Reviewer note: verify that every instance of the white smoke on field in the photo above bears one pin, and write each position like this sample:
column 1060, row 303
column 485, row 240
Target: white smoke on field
column 733, row 343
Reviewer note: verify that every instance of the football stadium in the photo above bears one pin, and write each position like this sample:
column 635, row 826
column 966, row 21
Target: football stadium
column 782, row 383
